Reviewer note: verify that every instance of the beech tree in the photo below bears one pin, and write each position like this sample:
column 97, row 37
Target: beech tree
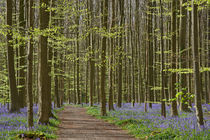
column 150, row 53
column 92, row 54
column 196, row 67
column 22, row 75
column 174, row 111
column 163, row 108
column 30, row 66
column 119, row 102
column 104, row 5
column 183, row 54
column 10, row 60
column 44, row 108
column 111, row 107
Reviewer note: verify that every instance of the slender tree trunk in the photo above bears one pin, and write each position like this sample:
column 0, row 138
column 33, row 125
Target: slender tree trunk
column 208, row 44
column 30, row 68
column 128, row 49
column 75, row 95
column 69, row 83
column 10, row 61
column 86, row 83
column 17, row 48
column 145, row 72
column 146, row 79
column 197, row 86
column 155, row 57
column 189, row 54
column 53, row 56
column 150, row 55
column 132, row 58
column 111, row 106
column 104, row 5
column 91, row 60
column 200, row 52
column 183, row 54
column 78, row 62
column 22, row 25
column 174, row 111
column 44, row 108
column 97, row 75
column 163, row 107
column 119, row 103
column 56, row 79
column 50, row 57
column 138, row 61
column 61, row 89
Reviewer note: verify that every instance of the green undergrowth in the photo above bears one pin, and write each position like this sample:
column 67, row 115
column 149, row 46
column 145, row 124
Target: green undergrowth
column 139, row 128
column 55, row 111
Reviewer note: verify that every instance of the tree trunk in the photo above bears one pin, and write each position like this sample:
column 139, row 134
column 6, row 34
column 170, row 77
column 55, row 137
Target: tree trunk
column 163, row 106
column 132, row 57
column 44, row 108
column 119, row 103
column 196, row 74
column 150, row 55
column 77, row 62
column 208, row 44
column 57, row 99
column 86, row 82
column 97, row 75
column 75, row 95
column 22, row 24
column 111, row 106
column 10, row 61
column 183, row 56
column 91, row 60
column 30, row 68
column 61, row 82
column 174, row 111
column 189, row 55
column 104, row 5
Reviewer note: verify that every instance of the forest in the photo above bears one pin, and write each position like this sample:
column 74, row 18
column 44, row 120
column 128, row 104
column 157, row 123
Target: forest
column 69, row 67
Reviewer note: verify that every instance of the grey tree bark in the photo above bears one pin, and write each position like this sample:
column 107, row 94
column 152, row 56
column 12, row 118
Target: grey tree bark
column 196, row 67
column 104, row 5
column 30, row 67
column 163, row 106
column 43, row 75
column 174, row 111
column 10, row 61
column 22, row 76
column 183, row 56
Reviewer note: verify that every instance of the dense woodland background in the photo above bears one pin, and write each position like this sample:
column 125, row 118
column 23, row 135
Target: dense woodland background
column 104, row 51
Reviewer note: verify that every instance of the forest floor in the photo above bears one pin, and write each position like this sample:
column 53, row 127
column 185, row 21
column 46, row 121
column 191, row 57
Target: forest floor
column 76, row 124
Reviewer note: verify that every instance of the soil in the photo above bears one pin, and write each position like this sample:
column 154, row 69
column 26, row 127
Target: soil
column 76, row 124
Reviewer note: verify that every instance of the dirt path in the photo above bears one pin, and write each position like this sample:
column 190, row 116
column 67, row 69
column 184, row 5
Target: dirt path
column 77, row 125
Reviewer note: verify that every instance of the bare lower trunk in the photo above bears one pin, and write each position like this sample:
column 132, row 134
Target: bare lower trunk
column 198, row 106
column 43, row 75
column 30, row 69
column 174, row 111
column 10, row 61
column 163, row 107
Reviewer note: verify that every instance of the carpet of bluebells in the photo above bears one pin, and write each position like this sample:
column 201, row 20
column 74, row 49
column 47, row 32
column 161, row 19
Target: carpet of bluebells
column 14, row 123
column 185, row 125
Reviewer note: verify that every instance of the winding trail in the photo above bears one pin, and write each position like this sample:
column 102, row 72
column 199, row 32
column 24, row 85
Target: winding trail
column 77, row 125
